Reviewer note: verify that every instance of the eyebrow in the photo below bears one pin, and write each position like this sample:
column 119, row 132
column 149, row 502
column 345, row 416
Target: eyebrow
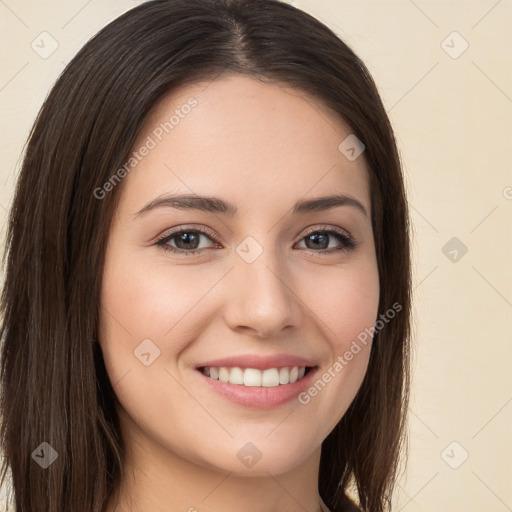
column 219, row 206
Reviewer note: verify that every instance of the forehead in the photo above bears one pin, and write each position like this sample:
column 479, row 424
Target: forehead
column 242, row 137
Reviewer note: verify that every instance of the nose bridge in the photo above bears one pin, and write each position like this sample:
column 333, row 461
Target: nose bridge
column 262, row 296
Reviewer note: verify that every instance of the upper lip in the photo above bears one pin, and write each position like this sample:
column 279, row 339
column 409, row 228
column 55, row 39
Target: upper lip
column 258, row 362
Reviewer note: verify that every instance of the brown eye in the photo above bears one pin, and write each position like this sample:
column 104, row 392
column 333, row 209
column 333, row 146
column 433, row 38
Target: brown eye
column 186, row 241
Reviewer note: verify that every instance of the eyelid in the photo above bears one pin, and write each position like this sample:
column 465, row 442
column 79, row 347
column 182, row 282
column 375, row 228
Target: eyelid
column 214, row 236
column 190, row 227
column 327, row 227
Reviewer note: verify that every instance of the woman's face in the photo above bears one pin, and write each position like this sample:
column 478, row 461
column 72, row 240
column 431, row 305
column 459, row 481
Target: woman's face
column 250, row 298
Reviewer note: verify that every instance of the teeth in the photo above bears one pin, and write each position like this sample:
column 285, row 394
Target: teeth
column 223, row 374
column 236, row 375
column 252, row 377
column 270, row 378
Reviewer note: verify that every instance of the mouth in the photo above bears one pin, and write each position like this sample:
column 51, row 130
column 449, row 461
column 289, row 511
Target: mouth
column 258, row 381
column 254, row 377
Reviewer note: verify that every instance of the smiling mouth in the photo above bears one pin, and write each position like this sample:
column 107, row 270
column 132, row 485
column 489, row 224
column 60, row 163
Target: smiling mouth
column 252, row 377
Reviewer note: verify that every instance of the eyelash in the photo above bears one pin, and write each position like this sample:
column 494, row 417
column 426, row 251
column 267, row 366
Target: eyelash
column 348, row 243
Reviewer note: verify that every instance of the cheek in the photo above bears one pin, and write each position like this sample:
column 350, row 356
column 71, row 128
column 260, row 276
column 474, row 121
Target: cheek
column 346, row 300
column 150, row 308
column 145, row 299
column 146, row 321
column 347, row 303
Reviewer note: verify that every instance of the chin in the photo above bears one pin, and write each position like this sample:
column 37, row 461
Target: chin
column 260, row 456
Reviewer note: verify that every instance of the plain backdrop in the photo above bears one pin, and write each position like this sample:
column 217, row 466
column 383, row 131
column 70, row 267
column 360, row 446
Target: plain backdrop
column 443, row 69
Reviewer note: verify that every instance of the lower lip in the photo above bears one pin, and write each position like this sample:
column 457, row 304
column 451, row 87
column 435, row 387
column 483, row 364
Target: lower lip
column 259, row 397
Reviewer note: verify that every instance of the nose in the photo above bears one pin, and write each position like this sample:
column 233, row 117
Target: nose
column 261, row 298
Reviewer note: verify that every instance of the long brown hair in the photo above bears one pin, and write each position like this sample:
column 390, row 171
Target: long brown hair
column 54, row 386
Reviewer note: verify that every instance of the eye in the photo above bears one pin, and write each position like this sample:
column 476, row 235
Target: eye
column 318, row 238
column 187, row 240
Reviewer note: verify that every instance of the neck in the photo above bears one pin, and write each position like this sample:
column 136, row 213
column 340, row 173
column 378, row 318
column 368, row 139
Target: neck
column 158, row 480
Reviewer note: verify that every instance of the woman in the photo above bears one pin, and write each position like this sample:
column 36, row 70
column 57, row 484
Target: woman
column 206, row 302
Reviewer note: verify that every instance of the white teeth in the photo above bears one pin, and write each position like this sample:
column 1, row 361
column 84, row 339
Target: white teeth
column 252, row 377
column 236, row 376
column 223, row 374
column 284, row 376
column 270, row 378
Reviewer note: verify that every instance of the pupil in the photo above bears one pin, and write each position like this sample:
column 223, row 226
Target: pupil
column 315, row 237
column 185, row 238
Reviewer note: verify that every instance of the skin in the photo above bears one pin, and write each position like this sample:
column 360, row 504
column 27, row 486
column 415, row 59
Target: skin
column 261, row 147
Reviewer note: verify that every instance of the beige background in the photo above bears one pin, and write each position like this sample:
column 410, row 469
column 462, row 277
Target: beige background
column 452, row 112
